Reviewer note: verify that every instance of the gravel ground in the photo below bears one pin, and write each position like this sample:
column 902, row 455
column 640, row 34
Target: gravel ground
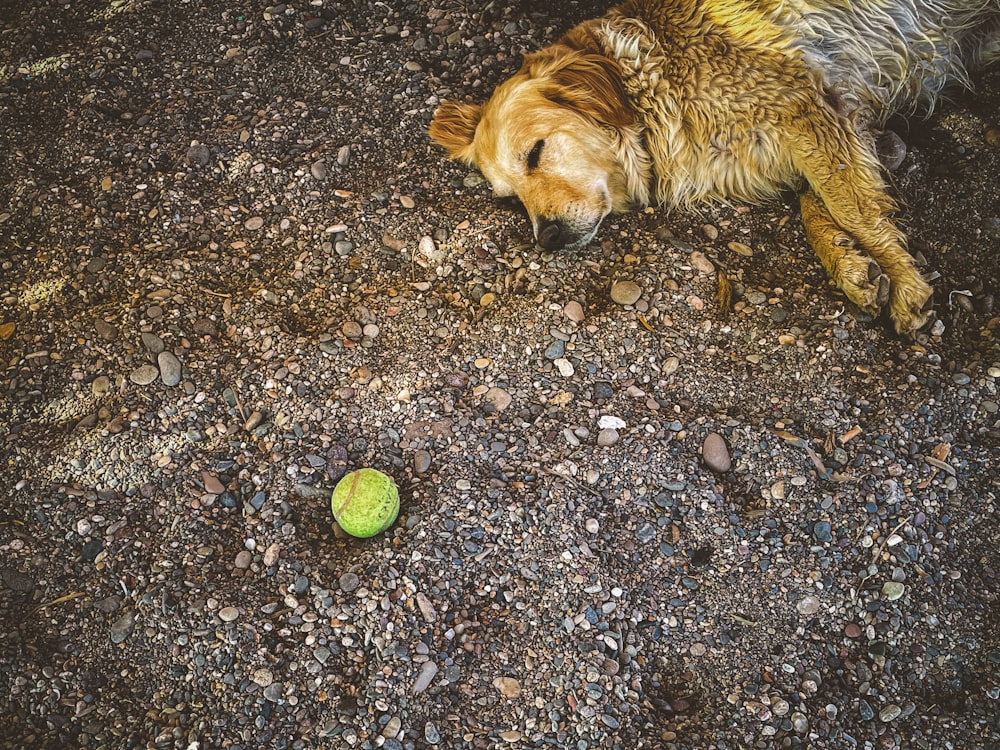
column 233, row 267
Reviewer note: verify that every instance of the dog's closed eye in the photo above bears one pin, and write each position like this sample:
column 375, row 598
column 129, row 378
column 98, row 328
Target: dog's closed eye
column 535, row 154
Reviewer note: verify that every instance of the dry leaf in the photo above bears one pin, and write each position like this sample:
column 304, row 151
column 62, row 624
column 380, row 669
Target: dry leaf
column 740, row 248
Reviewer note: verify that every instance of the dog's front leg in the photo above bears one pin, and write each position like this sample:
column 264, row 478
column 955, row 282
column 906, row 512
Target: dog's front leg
column 848, row 204
column 860, row 277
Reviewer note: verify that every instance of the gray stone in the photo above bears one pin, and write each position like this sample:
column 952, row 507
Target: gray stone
column 170, row 368
column 607, row 437
column 123, row 627
column 144, row 375
column 425, row 677
column 197, row 155
column 431, row 734
column 105, row 330
column 152, row 342
column 421, row 461
column 822, row 531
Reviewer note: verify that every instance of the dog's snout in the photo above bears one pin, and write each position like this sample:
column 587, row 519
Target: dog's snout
column 551, row 235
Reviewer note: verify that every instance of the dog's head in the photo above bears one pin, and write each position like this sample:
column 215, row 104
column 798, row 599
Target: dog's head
column 553, row 135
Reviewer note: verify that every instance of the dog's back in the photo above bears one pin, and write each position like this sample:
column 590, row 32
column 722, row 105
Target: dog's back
column 885, row 56
column 902, row 53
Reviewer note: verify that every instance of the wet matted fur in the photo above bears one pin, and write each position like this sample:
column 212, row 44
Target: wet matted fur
column 680, row 101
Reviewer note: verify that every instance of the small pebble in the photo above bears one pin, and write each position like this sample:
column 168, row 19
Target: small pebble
column 144, row 375
column 170, row 368
column 100, row 386
column 212, row 484
column 421, row 461
column 555, row 350
column 607, row 437
column 431, row 734
column 625, row 293
column 565, row 367
column 865, row 710
column 499, row 397
column 336, row 462
column 426, row 608
column 263, row 676
column 890, row 712
column 123, row 627
column 392, row 727
column 701, row 263
column 808, row 605
column 892, row 590
column 574, row 311
column 197, row 155
column 891, row 150
column 427, row 672
column 822, row 531
column 609, row 421
column 799, row 723
column 715, row 453
column 152, row 342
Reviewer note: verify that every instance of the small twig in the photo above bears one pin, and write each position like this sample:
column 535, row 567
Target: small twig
column 884, row 544
column 572, row 481
column 215, row 294
column 60, row 600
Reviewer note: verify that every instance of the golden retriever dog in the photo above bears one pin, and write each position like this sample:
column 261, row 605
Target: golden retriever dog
column 680, row 101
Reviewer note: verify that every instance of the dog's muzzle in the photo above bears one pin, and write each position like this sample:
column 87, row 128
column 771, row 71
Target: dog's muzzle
column 552, row 235
column 555, row 234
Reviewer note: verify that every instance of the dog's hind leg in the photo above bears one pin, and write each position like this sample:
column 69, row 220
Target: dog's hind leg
column 845, row 181
column 860, row 277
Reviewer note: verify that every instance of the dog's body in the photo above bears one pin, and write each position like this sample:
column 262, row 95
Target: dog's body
column 680, row 101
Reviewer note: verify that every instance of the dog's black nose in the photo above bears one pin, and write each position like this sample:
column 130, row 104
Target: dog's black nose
column 551, row 236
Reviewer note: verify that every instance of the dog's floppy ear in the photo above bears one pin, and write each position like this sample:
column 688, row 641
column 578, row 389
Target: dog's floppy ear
column 454, row 126
column 587, row 82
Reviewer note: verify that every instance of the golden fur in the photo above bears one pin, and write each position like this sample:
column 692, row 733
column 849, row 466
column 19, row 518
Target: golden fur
column 680, row 101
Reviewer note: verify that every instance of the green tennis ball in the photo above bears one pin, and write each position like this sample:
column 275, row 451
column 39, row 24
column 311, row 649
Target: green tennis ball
column 365, row 502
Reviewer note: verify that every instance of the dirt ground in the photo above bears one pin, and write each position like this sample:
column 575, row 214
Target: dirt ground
column 233, row 266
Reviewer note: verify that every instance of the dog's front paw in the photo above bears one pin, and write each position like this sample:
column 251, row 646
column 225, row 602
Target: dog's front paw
column 910, row 307
column 864, row 283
